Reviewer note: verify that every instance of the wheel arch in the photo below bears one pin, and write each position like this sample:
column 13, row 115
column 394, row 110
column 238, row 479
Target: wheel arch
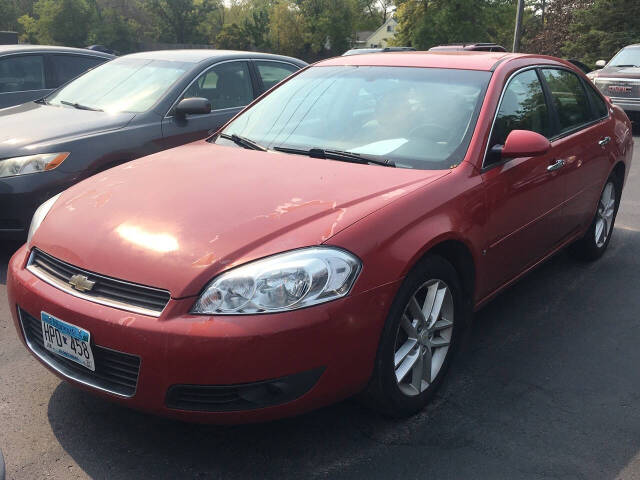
column 459, row 253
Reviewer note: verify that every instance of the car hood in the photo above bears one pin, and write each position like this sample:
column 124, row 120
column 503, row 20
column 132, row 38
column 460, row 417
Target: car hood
column 619, row 72
column 175, row 219
column 24, row 128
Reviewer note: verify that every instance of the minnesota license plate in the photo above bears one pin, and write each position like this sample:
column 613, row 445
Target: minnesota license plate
column 67, row 340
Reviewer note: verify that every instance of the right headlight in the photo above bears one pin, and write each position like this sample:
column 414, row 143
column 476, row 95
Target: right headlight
column 282, row 282
column 39, row 216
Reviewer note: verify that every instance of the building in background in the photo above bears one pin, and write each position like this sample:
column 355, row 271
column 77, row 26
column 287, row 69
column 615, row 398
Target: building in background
column 378, row 39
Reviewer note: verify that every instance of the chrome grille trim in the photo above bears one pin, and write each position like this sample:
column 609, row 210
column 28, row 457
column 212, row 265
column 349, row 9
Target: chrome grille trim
column 126, row 290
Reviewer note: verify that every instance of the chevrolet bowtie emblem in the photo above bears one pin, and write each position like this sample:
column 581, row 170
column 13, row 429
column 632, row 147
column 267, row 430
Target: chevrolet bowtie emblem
column 81, row 283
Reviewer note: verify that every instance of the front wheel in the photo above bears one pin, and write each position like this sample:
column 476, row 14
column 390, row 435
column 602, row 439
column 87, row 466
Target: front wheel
column 418, row 339
column 595, row 241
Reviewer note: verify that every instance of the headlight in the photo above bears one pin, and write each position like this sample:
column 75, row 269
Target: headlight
column 10, row 167
column 283, row 282
column 38, row 217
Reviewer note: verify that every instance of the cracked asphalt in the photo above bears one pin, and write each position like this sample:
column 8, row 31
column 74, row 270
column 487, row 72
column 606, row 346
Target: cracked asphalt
column 547, row 385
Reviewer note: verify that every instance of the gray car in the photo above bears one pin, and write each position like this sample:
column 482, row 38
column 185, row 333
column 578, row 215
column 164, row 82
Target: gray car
column 130, row 107
column 29, row 72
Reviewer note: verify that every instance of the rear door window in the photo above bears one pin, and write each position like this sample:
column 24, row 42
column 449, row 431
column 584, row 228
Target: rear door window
column 272, row 73
column 21, row 73
column 67, row 67
column 599, row 105
column 569, row 99
column 227, row 85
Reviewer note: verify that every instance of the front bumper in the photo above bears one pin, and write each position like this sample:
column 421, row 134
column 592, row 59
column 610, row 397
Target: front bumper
column 627, row 104
column 337, row 341
column 21, row 195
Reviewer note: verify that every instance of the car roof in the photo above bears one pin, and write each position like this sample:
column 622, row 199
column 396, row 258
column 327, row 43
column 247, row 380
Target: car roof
column 200, row 55
column 24, row 48
column 463, row 60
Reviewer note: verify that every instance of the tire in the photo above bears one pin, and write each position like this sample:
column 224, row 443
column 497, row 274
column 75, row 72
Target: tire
column 592, row 245
column 433, row 277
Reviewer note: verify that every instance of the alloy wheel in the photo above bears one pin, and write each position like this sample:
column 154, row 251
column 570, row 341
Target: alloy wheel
column 423, row 337
column 604, row 216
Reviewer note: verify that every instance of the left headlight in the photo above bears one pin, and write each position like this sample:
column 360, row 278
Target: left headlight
column 39, row 216
column 10, row 167
column 283, row 282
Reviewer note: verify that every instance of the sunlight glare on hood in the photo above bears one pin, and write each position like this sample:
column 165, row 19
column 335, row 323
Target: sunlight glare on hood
column 159, row 242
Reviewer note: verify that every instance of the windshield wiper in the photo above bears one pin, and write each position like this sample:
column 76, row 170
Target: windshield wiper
column 79, row 106
column 338, row 155
column 623, row 66
column 243, row 142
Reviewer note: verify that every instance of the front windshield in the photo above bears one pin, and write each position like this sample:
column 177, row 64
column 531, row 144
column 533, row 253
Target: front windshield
column 628, row 57
column 416, row 117
column 122, row 85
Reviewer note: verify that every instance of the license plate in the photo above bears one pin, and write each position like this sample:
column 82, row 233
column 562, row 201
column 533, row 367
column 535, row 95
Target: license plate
column 67, row 340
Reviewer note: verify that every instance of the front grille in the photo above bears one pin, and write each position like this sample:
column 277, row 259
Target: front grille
column 619, row 88
column 105, row 290
column 116, row 372
column 246, row 396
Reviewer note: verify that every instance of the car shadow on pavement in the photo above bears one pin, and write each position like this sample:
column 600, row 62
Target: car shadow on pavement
column 546, row 385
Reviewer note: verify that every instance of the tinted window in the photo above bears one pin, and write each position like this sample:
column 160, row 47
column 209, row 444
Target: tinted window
column 226, row 85
column 272, row 73
column 523, row 107
column 66, row 67
column 598, row 103
column 569, row 98
column 22, row 73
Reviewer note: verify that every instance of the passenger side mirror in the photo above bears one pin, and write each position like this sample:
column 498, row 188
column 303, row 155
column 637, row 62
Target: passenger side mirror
column 192, row 106
column 525, row 143
column 601, row 63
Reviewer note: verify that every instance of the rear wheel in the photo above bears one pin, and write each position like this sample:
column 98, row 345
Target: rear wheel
column 595, row 241
column 418, row 340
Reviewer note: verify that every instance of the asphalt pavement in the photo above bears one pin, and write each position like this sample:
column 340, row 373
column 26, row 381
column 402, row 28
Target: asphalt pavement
column 545, row 386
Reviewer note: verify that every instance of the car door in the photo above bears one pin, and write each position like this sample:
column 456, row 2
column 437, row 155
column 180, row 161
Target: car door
column 22, row 79
column 227, row 85
column 272, row 72
column 524, row 195
column 582, row 140
column 66, row 67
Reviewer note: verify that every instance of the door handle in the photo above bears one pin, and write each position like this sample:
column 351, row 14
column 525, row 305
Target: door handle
column 604, row 141
column 556, row 165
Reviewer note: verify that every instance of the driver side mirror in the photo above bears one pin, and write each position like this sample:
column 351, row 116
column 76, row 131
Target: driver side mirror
column 525, row 143
column 192, row 106
column 601, row 63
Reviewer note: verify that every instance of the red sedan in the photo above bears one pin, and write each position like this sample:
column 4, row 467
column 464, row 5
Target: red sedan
column 332, row 239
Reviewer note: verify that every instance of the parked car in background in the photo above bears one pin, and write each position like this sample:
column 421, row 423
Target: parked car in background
column 132, row 106
column 362, row 51
column 333, row 238
column 619, row 79
column 29, row 72
column 469, row 47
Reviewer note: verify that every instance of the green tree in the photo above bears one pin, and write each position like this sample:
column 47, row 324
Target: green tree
column 600, row 30
column 329, row 24
column 425, row 23
column 233, row 37
column 58, row 22
column 286, row 30
column 112, row 29
column 9, row 15
column 178, row 20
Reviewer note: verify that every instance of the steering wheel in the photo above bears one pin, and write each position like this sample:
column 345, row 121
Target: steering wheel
column 431, row 131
